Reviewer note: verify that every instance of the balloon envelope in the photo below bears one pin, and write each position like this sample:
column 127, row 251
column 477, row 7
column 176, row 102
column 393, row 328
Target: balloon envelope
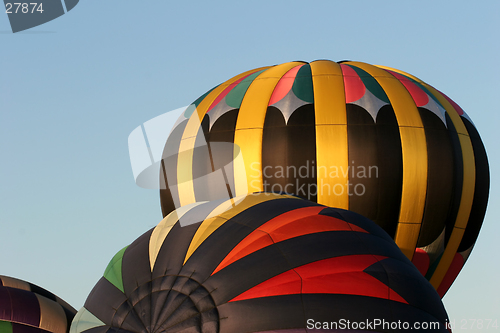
column 370, row 139
column 27, row 308
column 258, row 263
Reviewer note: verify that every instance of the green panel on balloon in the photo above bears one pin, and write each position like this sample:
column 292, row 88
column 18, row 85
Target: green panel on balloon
column 303, row 84
column 371, row 84
column 5, row 327
column 113, row 272
column 235, row 96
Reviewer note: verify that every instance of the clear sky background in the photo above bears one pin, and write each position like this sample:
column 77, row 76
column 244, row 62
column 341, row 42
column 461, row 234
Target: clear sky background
column 73, row 89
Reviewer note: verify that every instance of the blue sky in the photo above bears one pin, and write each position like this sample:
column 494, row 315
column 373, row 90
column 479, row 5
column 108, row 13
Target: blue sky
column 72, row 90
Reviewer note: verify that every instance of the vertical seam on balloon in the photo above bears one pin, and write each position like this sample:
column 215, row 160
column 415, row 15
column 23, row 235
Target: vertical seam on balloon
column 468, row 171
column 185, row 167
column 331, row 127
column 468, row 186
column 414, row 152
column 249, row 128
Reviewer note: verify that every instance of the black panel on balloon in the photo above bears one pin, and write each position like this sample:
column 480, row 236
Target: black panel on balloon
column 390, row 170
column 440, row 177
column 481, row 190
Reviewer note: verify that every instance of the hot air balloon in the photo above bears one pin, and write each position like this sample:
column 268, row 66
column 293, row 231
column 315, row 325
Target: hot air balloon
column 370, row 139
column 260, row 263
column 25, row 307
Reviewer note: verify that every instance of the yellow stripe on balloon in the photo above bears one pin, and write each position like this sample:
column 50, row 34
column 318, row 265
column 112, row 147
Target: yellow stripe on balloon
column 457, row 122
column 185, row 185
column 468, row 185
column 250, row 126
column 468, row 188
column 446, row 259
column 331, row 133
column 161, row 231
column 414, row 150
column 226, row 211
column 11, row 282
column 50, row 314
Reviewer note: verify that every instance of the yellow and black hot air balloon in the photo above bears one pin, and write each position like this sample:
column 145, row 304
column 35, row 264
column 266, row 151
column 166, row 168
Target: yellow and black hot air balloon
column 370, row 139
